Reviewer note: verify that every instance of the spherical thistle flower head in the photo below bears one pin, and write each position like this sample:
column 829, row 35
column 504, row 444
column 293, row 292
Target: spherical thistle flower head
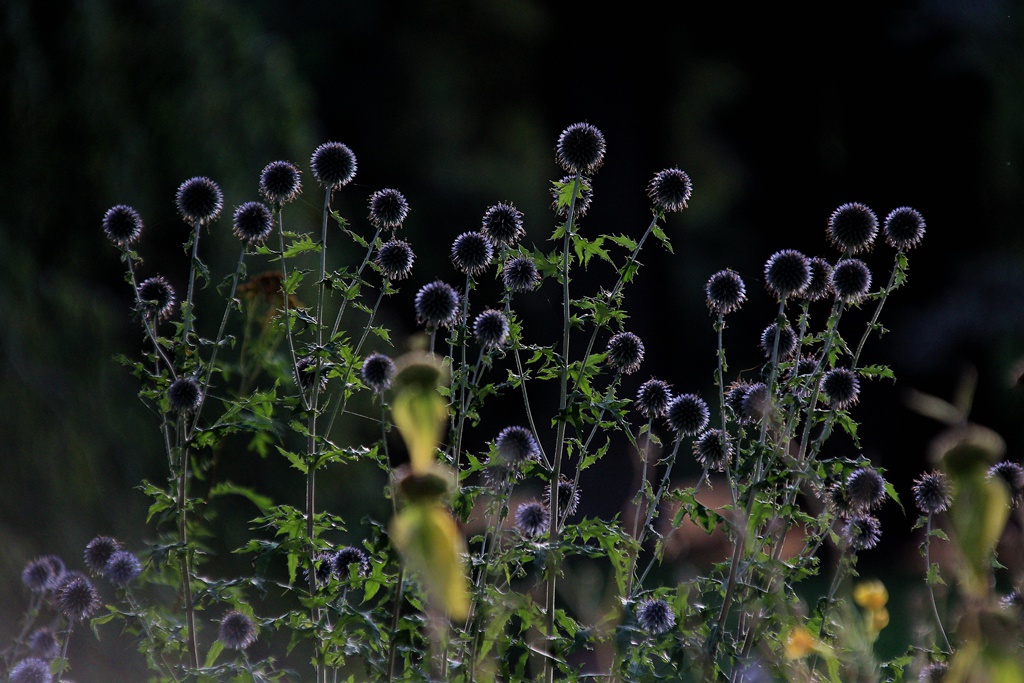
column 851, row 280
column 280, row 182
column 31, row 670
column 253, row 222
column 787, row 273
column 820, row 285
column 323, row 566
column 840, row 387
column 472, row 253
column 1011, row 474
column 437, row 304
column 306, row 374
column 43, row 643
column 78, row 599
column 199, row 200
column 568, row 496
column 122, row 224
column 377, row 372
column 490, row 329
column 625, row 352
column 655, row 616
column 333, row 164
column 532, row 518
column 933, row 673
column 122, row 568
column 734, row 398
column 838, row 500
column 520, row 274
column 42, row 573
column 688, row 414
column 236, row 631
column 348, row 556
column 652, row 398
column 862, row 532
column 184, row 395
column 580, row 149
column 98, row 551
column 786, row 340
column 669, row 190
column 713, row 449
column 388, row 208
column 156, row 297
column 865, row 489
column 756, row 403
column 725, row 292
column 932, row 493
column 516, row 445
column 503, row 225
column 903, row 228
column 395, row 258
column 852, row 227
column 584, row 196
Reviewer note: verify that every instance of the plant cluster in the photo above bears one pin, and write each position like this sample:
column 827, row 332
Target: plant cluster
column 483, row 568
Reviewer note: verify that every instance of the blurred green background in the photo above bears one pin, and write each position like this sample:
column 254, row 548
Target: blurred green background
column 779, row 117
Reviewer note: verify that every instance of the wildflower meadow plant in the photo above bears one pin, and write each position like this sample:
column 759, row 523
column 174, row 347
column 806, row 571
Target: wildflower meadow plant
column 470, row 563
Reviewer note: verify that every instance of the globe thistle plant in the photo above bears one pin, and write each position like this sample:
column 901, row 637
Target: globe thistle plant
column 98, row 551
column 306, row 369
column 236, row 631
column 31, row 670
column 1011, row 474
column 865, row 489
column 532, row 518
column 840, row 387
column 503, row 225
column 43, row 643
column 472, row 253
column 669, row 190
column 42, row 573
column 280, row 182
column 820, row 285
column 786, row 341
column 490, row 329
column 713, row 449
column 517, row 445
column 156, row 298
column 122, row 224
column 625, row 352
column 199, row 200
column 932, row 493
column 347, row 556
column 568, row 496
column 934, row 672
column 377, row 372
column 394, row 258
column 851, row 280
column 437, row 304
column 580, row 149
column 655, row 616
column 584, row 196
column 787, row 273
column 520, row 274
column 688, row 414
column 122, row 568
column 756, row 403
column 388, row 209
column 725, row 292
column 253, row 223
column 184, row 395
column 78, row 599
column 652, row 398
column 333, row 164
column 852, row 227
column 903, row 228
column 862, row 532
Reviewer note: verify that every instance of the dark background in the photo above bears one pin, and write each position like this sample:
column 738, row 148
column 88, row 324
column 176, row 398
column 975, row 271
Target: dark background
column 778, row 116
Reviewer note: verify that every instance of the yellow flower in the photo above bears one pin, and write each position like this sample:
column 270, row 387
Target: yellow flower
column 879, row 619
column 799, row 643
column 871, row 595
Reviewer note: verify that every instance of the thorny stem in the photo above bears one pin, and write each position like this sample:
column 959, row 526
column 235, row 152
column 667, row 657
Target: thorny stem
column 652, row 511
column 931, row 587
column 186, row 568
column 189, row 317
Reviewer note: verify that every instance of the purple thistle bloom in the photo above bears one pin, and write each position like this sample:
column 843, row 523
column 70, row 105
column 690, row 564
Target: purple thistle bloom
column 237, row 631
column 122, row 224
column 333, row 164
column 280, row 182
column 580, row 149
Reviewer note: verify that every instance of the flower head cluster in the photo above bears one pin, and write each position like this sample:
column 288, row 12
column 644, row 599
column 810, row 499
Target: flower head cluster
column 472, row 253
column 862, row 532
column 43, row 573
column 156, row 297
column 490, row 329
column 237, row 631
column 388, row 208
column 932, row 493
column 394, row 258
column 199, row 200
column 503, row 225
column 725, row 292
column 625, row 352
column 580, row 149
column 280, row 182
column 568, row 496
column 306, row 370
column 852, row 227
column 713, row 449
column 520, row 274
column 1011, row 474
column 865, row 490
column 31, row 670
column 688, row 414
column 851, row 280
column 652, row 398
column 840, row 387
column 584, row 196
column 533, row 518
column 516, row 444
column 333, row 164
column 122, row 224
column 184, row 395
column 437, row 304
column 78, row 599
column 43, row 643
column 670, row 190
column 820, row 285
column 377, row 372
column 787, row 273
column 655, row 616
column 98, row 551
column 253, row 222
column 903, row 228
column 122, row 568
column 344, row 558
column 785, row 338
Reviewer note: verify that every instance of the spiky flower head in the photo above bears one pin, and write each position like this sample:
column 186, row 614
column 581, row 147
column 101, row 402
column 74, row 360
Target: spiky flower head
column 503, row 224
column 42, row 573
column 568, row 496
column 725, row 292
column 932, row 492
column 1011, row 474
column 862, row 532
column 156, row 297
column 625, row 352
column 253, row 222
column 713, row 449
column 840, row 387
column 490, row 329
column 199, row 200
column 395, row 258
column 122, row 224
column 43, row 643
column 122, row 568
column 756, row 403
column 520, row 274
column 851, row 280
column 472, row 253
column 903, row 228
column 280, row 182
column 786, row 341
column 184, row 395
column 655, row 616
column 516, row 445
column 98, row 551
column 820, row 285
column 688, row 414
column 378, row 371
column 388, row 208
column 333, row 164
column 532, row 518
column 584, row 196
column 852, row 227
column 580, row 149
column 838, row 499
column 306, row 370
column 78, row 599
column 31, row 670
column 933, row 673
column 669, row 190
column 323, row 568
column 437, row 304
column 347, row 556
column 787, row 273
column 734, row 398
column 865, row 489
column 652, row 398
column 236, row 631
